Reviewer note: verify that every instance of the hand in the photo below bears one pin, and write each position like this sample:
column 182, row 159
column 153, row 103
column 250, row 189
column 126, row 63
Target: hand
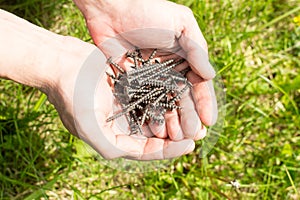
column 84, row 101
column 119, row 25
column 72, row 77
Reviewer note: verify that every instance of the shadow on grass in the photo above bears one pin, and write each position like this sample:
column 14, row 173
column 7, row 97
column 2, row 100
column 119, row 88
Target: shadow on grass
column 32, row 155
column 34, row 147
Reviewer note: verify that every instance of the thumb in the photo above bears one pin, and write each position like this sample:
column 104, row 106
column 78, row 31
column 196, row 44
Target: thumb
column 110, row 42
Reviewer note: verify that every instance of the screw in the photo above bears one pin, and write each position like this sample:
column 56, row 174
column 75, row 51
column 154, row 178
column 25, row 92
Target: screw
column 177, row 76
column 110, row 61
column 161, row 71
column 147, row 91
column 152, row 54
column 168, row 105
column 185, row 71
column 139, row 107
column 157, row 117
column 142, row 90
column 138, row 52
column 136, row 77
column 147, row 109
column 136, row 74
column 159, row 98
column 144, row 116
column 159, row 83
column 135, row 128
column 151, row 57
column 132, row 106
column 111, row 76
column 133, row 55
column 179, row 94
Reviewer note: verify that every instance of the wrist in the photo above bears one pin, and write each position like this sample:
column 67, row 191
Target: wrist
column 69, row 56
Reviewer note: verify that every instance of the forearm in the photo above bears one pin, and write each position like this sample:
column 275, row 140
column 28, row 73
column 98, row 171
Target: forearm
column 34, row 56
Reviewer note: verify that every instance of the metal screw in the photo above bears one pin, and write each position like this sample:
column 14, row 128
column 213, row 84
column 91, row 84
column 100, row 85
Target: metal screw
column 151, row 57
column 110, row 61
column 152, row 54
column 185, row 71
column 147, row 91
column 145, row 69
column 179, row 94
column 161, row 71
column 159, row 83
column 132, row 106
column 136, row 127
column 111, row 76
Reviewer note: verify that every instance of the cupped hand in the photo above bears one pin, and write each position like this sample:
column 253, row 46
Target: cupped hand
column 83, row 97
column 72, row 74
column 119, row 25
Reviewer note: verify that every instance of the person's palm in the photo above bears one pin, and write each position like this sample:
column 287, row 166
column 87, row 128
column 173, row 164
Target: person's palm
column 84, row 99
column 119, row 142
column 119, row 26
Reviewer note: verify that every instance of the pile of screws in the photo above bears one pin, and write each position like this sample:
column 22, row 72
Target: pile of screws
column 148, row 90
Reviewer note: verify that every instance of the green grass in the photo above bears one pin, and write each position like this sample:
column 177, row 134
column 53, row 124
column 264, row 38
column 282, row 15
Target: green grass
column 255, row 47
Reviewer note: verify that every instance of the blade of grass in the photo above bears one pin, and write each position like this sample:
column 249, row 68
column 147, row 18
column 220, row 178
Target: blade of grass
column 231, row 64
column 281, row 17
column 268, row 183
column 273, row 84
column 16, row 182
column 77, row 194
column 291, row 180
column 40, row 102
column 41, row 192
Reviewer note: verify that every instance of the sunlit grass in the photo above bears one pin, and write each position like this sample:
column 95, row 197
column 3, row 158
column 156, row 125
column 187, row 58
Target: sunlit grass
column 255, row 47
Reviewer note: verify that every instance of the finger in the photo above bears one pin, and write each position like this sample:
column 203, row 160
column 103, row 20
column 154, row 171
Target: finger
column 173, row 125
column 151, row 38
column 114, row 47
column 159, row 130
column 110, row 42
column 114, row 144
column 190, row 121
column 157, row 149
column 193, row 42
column 140, row 147
column 111, row 144
column 201, row 133
column 115, row 50
column 147, row 132
column 205, row 99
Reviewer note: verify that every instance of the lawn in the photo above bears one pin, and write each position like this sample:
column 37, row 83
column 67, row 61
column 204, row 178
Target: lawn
column 255, row 48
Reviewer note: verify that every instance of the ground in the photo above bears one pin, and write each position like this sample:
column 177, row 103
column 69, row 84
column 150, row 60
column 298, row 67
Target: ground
column 255, row 48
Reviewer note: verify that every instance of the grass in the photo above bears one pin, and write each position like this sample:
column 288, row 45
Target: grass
column 255, row 47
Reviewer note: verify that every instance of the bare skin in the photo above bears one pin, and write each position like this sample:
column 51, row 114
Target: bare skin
column 36, row 57
column 164, row 25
